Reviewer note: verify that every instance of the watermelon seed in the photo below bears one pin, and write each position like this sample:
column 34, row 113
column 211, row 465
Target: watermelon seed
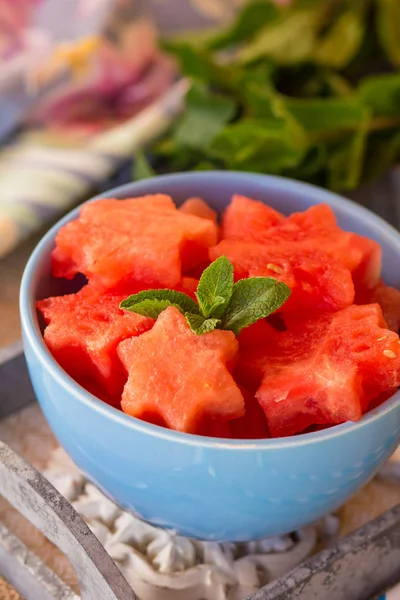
column 389, row 354
column 275, row 268
column 382, row 338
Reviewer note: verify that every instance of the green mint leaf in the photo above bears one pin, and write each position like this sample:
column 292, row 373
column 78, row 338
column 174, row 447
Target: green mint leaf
column 215, row 288
column 345, row 164
column 193, row 62
column 205, row 116
column 174, row 298
column 141, row 167
column 313, row 162
column 250, row 20
column 342, row 41
column 383, row 151
column 260, row 145
column 325, row 117
column 253, row 299
column 199, row 325
column 289, row 40
column 387, row 21
column 381, row 93
column 152, row 308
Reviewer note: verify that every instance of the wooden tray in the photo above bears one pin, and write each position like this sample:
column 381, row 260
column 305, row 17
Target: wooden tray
column 348, row 570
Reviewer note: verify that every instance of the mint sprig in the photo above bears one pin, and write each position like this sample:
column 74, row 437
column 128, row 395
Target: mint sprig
column 253, row 299
column 150, row 303
column 215, row 288
column 221, row 303
column 199, row 324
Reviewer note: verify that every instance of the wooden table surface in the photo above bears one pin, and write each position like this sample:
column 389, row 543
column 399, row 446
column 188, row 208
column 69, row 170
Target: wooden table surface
column 11, row 269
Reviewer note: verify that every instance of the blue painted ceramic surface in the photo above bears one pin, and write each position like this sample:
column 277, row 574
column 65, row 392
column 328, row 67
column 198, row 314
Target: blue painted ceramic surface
column 204, row 487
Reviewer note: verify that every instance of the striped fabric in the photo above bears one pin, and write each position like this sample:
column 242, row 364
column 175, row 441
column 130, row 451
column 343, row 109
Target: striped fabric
column 38, row 183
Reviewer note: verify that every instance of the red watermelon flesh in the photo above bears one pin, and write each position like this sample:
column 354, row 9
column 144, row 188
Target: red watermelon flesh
column 252, row 343
column 309, row 224
column 260, row 344
column 253, row 425
column 214, row 427
column 199, row 208
column 257, row 334
column 375, row 348
column 248, row 220
column 366, row 271
column 381, row 398
column 188, row 285
column 146, row 240
column 83, row 332
column 324, row 371
column 316, row 228
column 388, row 299
column 318, row 284
column 178, row 378
column 312, row 230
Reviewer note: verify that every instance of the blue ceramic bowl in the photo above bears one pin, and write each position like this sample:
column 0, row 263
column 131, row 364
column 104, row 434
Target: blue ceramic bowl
column 203, row 487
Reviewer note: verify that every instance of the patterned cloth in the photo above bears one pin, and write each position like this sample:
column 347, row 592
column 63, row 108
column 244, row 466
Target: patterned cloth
column 39, row 182
column 43, row 175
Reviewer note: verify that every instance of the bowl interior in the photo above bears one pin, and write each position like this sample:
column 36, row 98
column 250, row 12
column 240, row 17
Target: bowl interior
column 217, row 189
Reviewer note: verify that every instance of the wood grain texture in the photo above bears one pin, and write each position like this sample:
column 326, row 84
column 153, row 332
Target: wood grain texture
column 11, row 269
column 7, row 592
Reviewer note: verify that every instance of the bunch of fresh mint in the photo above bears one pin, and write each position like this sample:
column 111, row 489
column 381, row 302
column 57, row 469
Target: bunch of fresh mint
column 308, row 89
column 221, row 303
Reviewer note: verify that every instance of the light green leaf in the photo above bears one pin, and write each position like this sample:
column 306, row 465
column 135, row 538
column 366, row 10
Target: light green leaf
column 261, row 100
column 324, row 117
column 165, row 147
column 383, row 151
column 388, row 25
column 337, row 85
column 205, row 116
column 204, row 165
column 342, row 41
column 174, row 298
column 255, row 89
column 345, row 165
column 193, row 62
column 288, row 41
column 381, row 93
column 313, row 163
column 253, row 299
column 250, row 20
column 263, row 145
column 151, row 308
column 198, row 39
column 200, row 325
column 215, row 288
column 141, row 167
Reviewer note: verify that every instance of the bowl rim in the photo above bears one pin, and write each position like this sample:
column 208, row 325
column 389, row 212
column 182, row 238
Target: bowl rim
column 31, row 331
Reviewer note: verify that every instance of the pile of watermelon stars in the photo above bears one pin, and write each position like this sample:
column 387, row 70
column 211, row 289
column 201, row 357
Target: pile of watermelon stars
column 328, row 356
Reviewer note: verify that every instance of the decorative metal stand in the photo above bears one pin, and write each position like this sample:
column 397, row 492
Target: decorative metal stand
column 36, row 499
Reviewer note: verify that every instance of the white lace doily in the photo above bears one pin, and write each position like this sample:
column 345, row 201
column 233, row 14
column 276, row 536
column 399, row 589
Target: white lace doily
column 162, row 565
